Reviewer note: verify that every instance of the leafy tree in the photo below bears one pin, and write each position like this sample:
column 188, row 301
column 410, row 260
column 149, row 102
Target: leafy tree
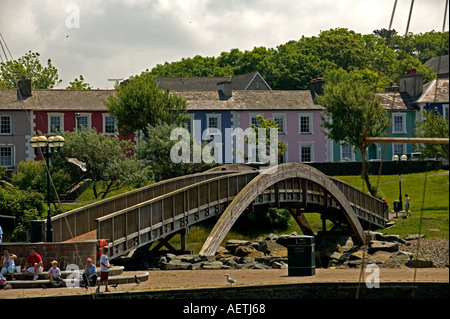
column 110, row 163
column 24, row 205
column 32, row 176
column 139, row 102
column 42, row 77
column 266, row 124
column 352, row 113
column 433, row 126
column 155, row 154
column 78, row 84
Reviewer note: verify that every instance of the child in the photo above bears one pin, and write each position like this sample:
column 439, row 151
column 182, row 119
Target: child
column 55, row 275
column 104, row 269
column 407, row 205
column 90, row 273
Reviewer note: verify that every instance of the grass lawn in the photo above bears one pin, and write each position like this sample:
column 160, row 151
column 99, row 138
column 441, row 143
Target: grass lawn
column 429, row 194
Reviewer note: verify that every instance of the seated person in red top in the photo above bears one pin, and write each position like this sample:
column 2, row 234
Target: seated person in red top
column 34, row 264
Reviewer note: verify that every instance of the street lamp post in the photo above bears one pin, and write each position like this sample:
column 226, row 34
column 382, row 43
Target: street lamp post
column 397, row 160
column 48, row 146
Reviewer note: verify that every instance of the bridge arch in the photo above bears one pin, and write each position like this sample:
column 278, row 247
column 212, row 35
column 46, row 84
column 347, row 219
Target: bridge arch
column 263, row 181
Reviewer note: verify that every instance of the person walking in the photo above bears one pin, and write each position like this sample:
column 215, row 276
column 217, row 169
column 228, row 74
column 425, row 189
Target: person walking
column 407, row 205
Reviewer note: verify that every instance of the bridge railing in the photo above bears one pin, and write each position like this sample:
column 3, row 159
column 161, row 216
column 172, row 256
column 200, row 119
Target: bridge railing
column 135, row 226
column 82, row 220
column 363, row 203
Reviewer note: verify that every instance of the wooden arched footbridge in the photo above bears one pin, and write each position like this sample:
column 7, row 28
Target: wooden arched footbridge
column 157, row 212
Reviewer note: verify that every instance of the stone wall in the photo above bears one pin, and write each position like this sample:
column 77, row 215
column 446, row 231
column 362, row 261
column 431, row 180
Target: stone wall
column 64, row 253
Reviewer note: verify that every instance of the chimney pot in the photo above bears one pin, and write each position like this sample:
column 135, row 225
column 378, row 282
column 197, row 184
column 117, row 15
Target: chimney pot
column 224, row 90
column 23, row 88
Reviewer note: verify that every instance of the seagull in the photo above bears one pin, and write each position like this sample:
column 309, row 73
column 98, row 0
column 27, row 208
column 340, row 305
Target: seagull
column 230, row 280
column 136, row 280
column 78, row 163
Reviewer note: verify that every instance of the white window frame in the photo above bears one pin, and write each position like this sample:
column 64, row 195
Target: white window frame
column 352, row 156
column 10, row 124
column 13, row 151
column 403, row 117
column 310, row 116
column 219, row 122
column 311, row 145
column 89, row 120
column 251, row 116
column 397, row 153
column 445, row 111
column 283, row 115
column 61, row 119
column 104, row 116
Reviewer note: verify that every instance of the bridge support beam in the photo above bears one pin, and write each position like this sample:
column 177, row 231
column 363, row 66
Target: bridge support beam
column 264, row 181
column 300, row 218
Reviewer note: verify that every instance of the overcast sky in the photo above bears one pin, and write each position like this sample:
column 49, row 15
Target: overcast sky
column 113, row 39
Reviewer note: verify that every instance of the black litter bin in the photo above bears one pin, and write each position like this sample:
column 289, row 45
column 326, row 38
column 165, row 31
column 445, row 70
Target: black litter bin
column 301, row 256
column 397, row 206
column 36, row 231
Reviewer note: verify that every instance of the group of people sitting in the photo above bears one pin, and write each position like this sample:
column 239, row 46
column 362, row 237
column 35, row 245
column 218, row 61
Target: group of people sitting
column 34, row 266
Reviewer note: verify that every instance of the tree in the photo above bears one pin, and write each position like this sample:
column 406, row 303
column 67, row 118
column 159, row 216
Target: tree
column 139, row 102
column 266, row 124
column 352, row 113
column 29, row 66
column 78, row 84
column 433, row 126
column 110, row 163
column 155, row 154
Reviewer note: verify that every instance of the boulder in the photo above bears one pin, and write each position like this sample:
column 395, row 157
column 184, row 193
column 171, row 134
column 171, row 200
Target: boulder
column 246, row 250
column 414, row 236
column 380, row 257
column 233, row 244
column 269, row 247
column 417, row 263
column 178, row 265
column 376, row 245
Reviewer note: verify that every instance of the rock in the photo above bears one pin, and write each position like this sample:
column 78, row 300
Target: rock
column 272, row 237
column 279, row 252
column 214, row 265
column 338, row 257
column 417, row 263
column 376, row 245
column 414, row 236
column 390, row 238
column 245, row 250
column 178, row 265
column 233, row 244
column 267, row 247
column 279, row 265
column 357, row 255
column 379, row 257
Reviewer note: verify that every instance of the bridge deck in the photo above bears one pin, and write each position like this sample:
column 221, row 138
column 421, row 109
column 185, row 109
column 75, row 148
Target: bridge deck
column 146, row 215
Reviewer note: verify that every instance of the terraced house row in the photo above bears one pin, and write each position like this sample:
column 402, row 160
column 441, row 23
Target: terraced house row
column 220, row 103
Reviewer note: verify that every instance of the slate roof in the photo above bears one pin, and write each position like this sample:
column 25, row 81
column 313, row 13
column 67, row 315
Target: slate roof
column 435, row 91
column 250, row 100
column 53, row 100
column 92, row 100
column 435, row 63
column 238, row 82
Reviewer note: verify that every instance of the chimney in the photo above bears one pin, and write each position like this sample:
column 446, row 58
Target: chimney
column 23, row 88
column 316, row 87
column 411, row 83
column 392, row 87
column 224, row 89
